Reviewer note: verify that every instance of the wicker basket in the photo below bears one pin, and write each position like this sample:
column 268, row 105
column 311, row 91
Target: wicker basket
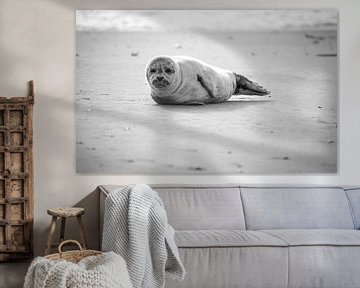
column 72, row 256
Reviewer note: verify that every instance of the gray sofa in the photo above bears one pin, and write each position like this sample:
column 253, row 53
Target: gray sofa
column 241, row 236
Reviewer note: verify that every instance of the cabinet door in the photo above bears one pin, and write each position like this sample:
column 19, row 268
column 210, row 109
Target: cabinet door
column 16, row 199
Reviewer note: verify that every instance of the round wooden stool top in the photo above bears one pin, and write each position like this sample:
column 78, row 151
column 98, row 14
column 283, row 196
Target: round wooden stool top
column 66, row 211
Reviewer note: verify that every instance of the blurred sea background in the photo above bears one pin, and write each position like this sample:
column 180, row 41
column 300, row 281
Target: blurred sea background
column 205, row 20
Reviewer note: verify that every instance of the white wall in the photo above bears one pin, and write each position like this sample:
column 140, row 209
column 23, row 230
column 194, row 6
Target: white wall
column 37, row 41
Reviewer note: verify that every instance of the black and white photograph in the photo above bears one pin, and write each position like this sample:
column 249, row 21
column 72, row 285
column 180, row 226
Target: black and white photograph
column 206, row 91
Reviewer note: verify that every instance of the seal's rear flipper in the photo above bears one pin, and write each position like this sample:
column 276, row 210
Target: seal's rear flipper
column 244, row 86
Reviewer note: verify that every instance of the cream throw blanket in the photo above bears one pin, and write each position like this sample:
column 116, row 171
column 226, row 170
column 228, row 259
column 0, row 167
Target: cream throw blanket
column 136, row 227
column 102, row 271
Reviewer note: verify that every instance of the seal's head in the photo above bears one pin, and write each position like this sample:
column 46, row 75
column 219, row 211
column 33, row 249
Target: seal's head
column 161, row 72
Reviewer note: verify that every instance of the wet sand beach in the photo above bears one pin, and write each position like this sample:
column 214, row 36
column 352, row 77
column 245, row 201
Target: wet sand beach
column 121, row 130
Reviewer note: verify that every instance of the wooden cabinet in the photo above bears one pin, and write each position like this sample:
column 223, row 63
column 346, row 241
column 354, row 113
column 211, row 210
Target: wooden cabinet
column 16, row 177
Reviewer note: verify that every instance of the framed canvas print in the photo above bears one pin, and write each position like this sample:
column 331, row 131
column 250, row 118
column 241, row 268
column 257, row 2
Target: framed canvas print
column 206, row 91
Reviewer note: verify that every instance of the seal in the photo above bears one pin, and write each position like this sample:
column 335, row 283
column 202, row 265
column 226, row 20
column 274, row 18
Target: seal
column 186, row 80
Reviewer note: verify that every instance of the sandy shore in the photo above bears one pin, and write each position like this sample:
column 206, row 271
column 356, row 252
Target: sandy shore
column 121, row 130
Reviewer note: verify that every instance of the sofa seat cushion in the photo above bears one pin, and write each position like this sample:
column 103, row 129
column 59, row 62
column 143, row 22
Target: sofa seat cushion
column 225, row 238
column 233, row 267
column 322, row 258
column 317, row 237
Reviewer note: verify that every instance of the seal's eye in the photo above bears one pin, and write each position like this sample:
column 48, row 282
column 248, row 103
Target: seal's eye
column 152, row 71
column 168, row 71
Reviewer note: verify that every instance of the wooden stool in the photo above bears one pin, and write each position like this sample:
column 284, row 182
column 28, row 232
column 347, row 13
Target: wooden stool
column 64, row 213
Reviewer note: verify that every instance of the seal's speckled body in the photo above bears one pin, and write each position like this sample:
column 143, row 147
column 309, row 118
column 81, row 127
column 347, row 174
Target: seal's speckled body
column 185, row 80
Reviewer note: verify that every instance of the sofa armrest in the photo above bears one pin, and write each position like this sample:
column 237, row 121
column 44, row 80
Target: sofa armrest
column 102, row 197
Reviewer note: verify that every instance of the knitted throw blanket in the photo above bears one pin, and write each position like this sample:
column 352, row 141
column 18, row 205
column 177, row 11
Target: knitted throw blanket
column 136, row 227
column 103, row 271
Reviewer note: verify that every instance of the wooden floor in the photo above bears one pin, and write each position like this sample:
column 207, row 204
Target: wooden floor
column 12, row 274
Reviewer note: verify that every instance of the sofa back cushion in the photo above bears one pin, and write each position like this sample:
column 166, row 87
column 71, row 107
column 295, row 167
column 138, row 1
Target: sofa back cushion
column 296, row 208
column 203, row 208
column 354, row 198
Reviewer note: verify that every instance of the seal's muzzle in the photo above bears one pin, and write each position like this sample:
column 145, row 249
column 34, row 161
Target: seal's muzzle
column 160, row 82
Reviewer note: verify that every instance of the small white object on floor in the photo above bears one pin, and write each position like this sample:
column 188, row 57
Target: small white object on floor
column 107, row 270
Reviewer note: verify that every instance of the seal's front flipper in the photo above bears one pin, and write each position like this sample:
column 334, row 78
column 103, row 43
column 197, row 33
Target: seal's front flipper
column 208, row 85
column 244, row 86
